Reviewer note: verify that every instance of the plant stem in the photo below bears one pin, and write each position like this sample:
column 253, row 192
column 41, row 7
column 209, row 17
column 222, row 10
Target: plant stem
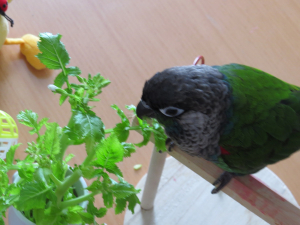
column 107, row 131
column 65, row 73
column 17, row 166
column 56, row 181
column 78, row 200
column 90, row 156
column 64, row 142
column 68, row 182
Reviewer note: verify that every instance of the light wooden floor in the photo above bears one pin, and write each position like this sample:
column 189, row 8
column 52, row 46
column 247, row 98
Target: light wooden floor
column 128, row 41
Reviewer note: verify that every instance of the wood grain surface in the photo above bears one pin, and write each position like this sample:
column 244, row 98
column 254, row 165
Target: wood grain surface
column 128, row 41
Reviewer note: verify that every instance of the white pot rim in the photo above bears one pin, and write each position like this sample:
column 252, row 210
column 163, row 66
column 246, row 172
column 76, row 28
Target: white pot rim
column 21, row 217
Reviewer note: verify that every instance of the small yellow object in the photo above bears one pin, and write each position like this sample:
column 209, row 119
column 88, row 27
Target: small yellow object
column 30, row 50
column 137, row 166
column 8, row 133
column 28, row 43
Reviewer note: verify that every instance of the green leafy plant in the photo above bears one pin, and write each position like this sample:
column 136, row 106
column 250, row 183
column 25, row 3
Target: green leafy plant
column 44, row 193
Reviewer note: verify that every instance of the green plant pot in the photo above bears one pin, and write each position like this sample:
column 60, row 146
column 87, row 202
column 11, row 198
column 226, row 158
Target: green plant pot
column 15, row 217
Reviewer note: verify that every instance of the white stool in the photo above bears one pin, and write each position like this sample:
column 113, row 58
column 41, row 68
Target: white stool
column 184, row 198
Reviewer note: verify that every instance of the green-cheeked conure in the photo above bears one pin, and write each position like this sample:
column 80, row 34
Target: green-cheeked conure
column 236, row 116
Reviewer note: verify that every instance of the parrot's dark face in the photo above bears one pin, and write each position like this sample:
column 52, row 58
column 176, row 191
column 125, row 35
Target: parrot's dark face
column 190, row 102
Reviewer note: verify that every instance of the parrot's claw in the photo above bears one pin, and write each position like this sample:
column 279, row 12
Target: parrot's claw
column 170, row 143
column 223, row 180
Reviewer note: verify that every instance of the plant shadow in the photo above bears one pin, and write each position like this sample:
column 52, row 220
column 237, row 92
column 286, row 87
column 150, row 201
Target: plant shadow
column 42, row 74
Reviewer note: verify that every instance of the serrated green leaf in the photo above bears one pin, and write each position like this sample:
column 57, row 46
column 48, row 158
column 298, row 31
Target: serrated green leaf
column 54, row 54
column 73, row 216
column 159, row 136
column 42, row 175
column 74, row 135
column 28, row 118
column 4, row 181
column 2, row 164
column 52, row 215
column 31, row 148
column 133, row 201
column 27, row 160
column 26, row 172
column 69, row 157
column 38, row 215
column 94, row 211
column 128, row 149
column 88, row 125
column 95, row 186
column 32, row 196
column 41, row 123
column 94, row 100
column 60, row 80
column 101, row 212
column 73, row 71
column 131, row 108
column 146, row 137
column 13, row 189
column 114, row 170
column 109, row 152
column 10, row 155
column 123, row 190
column 121, row 129
column 51, row 141
column 87, row 171
column 58, row 170
column 120, row 205
column 108, row 199
column 121, row 114
column 122, row 132
column 95, row 84
column 86, row 217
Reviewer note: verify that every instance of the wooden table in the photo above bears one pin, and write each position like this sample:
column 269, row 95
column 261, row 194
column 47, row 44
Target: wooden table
column 129, row 41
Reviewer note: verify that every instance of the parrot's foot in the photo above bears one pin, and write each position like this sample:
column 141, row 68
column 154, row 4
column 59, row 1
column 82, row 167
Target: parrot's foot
column 170, row 143
column 223, row 180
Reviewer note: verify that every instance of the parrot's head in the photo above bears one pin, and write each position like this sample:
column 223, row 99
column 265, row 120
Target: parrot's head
column 189, row 101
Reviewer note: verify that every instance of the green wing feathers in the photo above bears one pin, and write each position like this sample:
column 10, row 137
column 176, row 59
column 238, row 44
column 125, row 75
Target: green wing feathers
column 264, row 121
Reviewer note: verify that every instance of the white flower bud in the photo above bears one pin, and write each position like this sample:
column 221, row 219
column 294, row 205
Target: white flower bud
column 52, row 87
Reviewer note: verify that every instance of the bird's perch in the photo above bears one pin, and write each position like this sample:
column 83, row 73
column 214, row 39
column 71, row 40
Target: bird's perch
column 247, row 190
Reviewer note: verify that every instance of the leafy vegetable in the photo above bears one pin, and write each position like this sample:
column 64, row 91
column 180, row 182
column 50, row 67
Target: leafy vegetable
column 45, row 193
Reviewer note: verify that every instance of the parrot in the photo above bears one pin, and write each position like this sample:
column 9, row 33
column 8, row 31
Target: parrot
column 236, row 116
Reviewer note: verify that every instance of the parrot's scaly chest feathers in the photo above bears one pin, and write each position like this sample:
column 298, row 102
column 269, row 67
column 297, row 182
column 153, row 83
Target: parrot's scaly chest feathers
column 190, row 101
column 200, row 134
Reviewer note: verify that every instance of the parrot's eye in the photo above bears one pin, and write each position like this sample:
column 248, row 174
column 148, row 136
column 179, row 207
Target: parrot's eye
column 171, row 111
column 145, row 104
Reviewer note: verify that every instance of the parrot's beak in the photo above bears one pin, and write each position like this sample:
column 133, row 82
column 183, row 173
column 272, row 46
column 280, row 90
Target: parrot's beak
column 142, row 111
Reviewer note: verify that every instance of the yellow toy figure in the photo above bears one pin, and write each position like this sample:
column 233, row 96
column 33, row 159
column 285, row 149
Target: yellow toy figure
column 28, row 43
